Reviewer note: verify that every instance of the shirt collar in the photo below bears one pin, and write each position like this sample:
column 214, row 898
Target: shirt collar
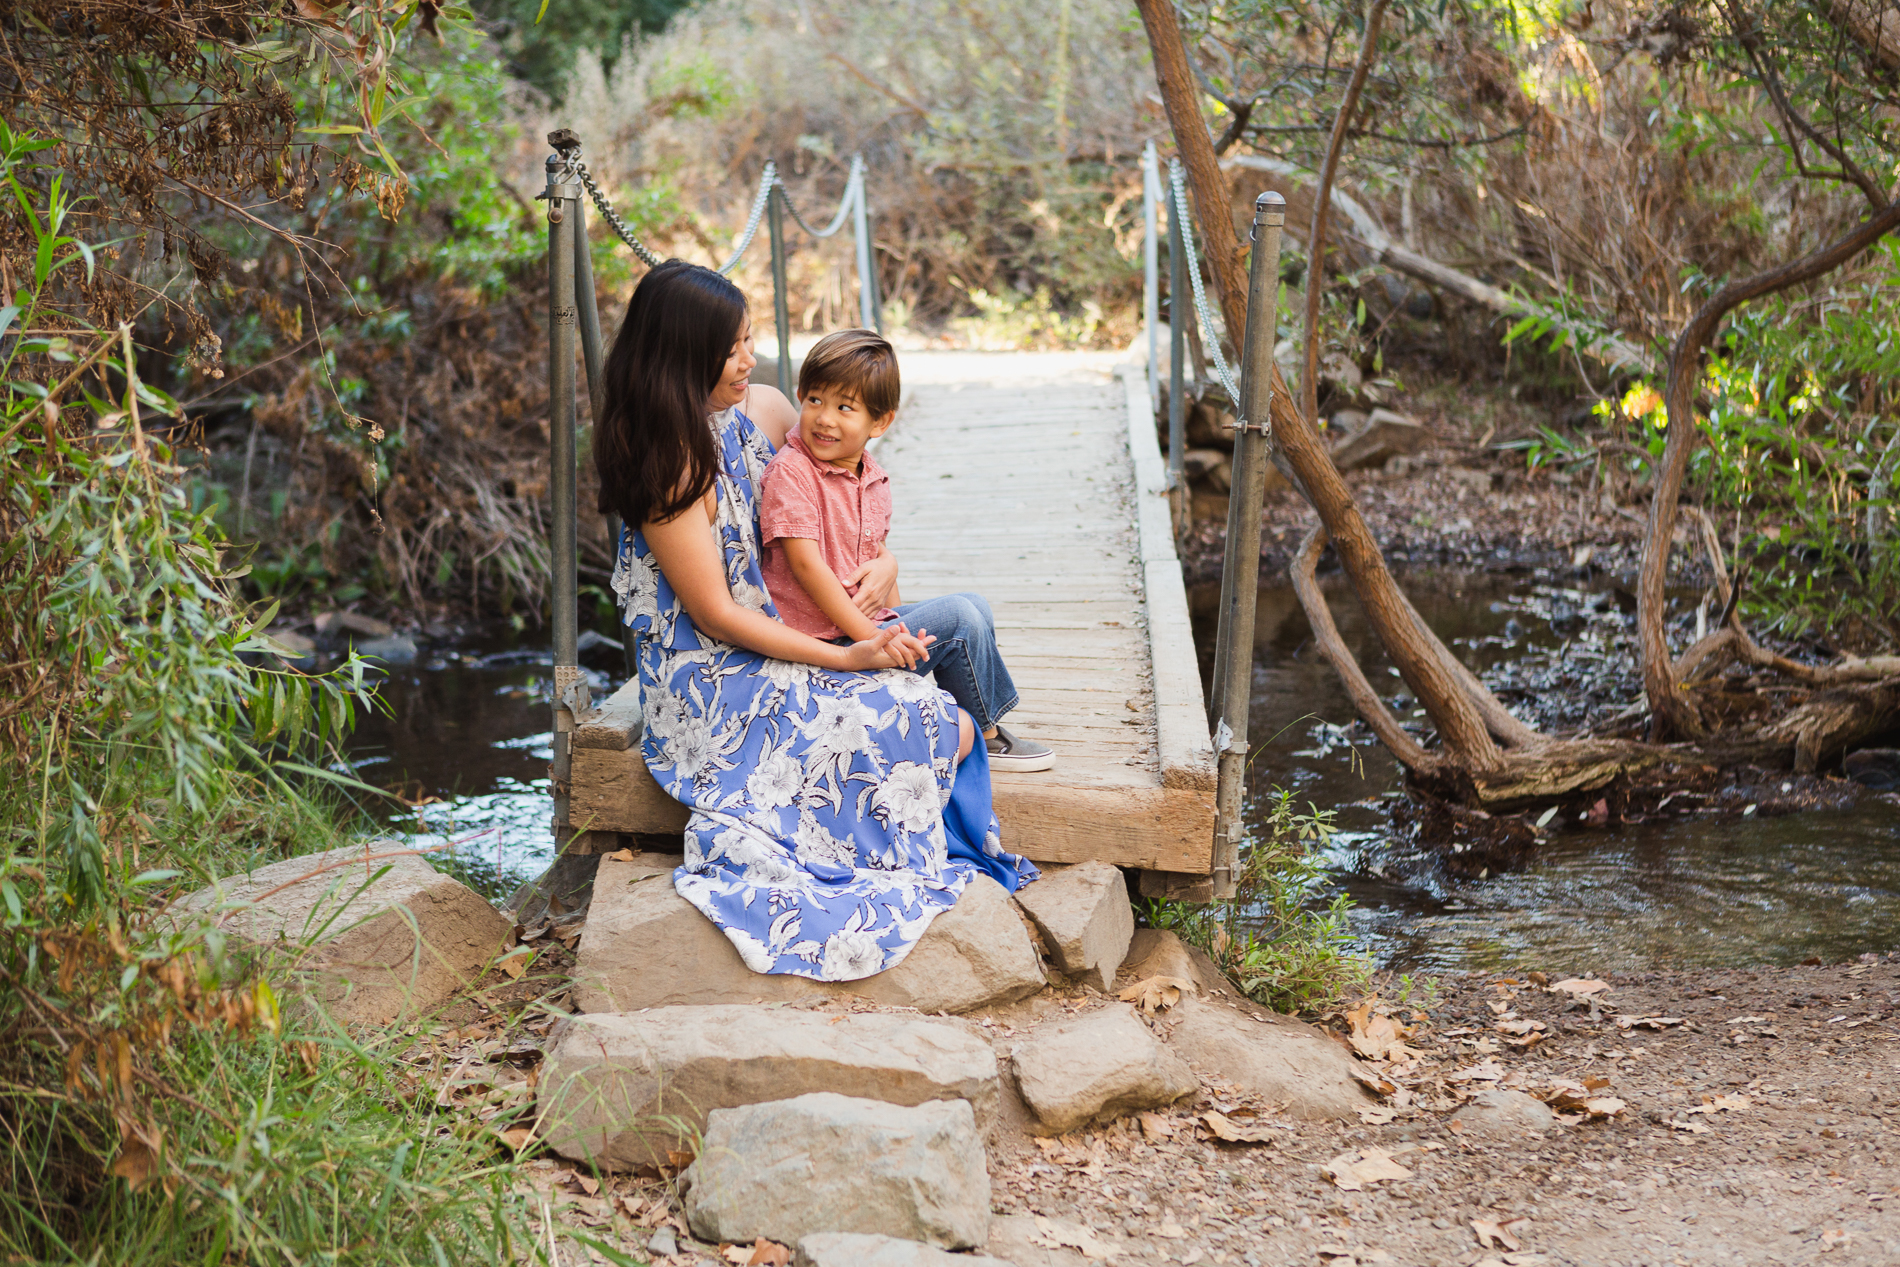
column 869, row 472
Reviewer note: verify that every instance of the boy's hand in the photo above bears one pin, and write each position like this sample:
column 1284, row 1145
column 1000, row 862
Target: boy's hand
column 873, row 585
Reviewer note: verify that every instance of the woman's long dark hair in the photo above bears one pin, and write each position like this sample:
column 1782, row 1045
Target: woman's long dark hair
column 652, row 447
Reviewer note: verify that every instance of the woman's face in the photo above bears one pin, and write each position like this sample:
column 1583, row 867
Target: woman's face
column 737, row 376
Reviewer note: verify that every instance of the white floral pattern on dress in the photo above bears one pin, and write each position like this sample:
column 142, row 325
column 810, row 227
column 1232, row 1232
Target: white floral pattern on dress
column 816, row 840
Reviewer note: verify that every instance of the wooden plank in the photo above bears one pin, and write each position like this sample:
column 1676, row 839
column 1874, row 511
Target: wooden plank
column 1187, row 750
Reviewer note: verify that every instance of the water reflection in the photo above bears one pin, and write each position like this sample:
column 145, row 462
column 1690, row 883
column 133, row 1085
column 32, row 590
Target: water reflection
column 465, row 747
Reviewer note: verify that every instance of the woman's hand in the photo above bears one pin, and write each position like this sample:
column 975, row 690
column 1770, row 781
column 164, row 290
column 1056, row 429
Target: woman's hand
column 894, row 647
column 873, row 586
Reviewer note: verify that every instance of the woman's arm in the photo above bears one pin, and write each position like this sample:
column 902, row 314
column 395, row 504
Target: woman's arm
column 771, row 413
column 687, row 552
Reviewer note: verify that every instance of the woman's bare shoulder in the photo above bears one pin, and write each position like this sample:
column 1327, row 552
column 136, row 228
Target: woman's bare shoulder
column 770, row 412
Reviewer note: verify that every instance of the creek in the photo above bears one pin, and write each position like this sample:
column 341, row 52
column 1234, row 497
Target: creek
column 464, row 742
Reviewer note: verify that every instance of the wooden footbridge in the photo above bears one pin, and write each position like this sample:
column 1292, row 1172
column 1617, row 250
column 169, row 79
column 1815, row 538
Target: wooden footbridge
column 1034, row 479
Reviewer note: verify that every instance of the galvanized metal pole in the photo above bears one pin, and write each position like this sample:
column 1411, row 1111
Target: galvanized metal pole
column 1180, row 312
column 1150, row 270
column 1239, row 580
column 563, row 198
column 870, row 315
column 781, row 312
column 588, row 309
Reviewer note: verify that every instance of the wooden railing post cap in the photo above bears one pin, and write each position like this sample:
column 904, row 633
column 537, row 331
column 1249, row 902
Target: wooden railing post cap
column 1269, row 208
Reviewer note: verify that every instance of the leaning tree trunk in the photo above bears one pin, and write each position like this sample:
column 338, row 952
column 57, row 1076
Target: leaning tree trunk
column 1672, row 713
column 1420, row 657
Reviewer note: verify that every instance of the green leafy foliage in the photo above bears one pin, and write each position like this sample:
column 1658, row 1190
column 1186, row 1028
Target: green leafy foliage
column 1269, row 938
column 158, row 1104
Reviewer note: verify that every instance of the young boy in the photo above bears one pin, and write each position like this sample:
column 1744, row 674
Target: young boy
column 824, row 511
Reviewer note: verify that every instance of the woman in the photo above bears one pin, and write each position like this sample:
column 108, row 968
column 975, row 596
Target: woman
column 839, row 803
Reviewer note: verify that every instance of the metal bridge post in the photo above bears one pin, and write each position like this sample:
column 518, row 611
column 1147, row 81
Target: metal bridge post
column 1241, row 570
column 781, row 313
column 1150, row 271
column 570, row 687
column 870, row 302
column 588, row 309
column 1180, row 312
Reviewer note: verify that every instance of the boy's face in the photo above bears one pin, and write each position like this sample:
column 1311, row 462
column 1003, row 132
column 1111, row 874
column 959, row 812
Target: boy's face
column 836, row 426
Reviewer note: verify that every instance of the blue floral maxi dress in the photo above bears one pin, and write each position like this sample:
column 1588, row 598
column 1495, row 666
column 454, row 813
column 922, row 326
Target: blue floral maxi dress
column 820, row 799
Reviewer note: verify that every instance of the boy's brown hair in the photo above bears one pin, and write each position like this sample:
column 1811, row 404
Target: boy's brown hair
column 861, row 362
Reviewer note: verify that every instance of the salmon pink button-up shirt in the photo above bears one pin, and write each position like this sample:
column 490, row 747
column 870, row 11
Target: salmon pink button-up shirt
column 847, row 514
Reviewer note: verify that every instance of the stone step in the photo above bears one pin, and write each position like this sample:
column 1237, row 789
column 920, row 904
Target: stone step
column 1085, row 920
column 620, row 1090
column 1094, row 1067
column 646, row 946
column 834, row 1163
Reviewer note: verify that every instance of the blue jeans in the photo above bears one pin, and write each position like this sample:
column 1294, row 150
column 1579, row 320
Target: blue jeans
column 964, row 656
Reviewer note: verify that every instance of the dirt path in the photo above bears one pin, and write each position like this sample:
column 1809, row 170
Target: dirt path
column 1805, row 1167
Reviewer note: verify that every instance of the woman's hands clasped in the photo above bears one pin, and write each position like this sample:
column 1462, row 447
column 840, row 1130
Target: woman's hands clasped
column 894, row 647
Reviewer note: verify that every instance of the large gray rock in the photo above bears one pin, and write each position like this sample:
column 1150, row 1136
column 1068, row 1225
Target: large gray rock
column 854, row 1249
column 1097, row 1066
column 1083, row 915
column 389, row 937
column 1502, row 1113
column 1382, row 437
column 620, row 1089
column 834, row 1163
column 646, row 946
column 1275, row 1057
column 1157, row 953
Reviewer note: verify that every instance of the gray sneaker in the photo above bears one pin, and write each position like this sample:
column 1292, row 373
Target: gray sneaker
column 1011, row 752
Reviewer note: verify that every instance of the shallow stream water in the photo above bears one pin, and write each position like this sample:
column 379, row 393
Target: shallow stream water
column 466, row 744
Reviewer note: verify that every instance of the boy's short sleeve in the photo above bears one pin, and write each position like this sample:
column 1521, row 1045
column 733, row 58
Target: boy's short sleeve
column 789, row 499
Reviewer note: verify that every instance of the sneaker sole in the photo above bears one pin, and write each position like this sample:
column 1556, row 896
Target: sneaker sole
column 1023, row 765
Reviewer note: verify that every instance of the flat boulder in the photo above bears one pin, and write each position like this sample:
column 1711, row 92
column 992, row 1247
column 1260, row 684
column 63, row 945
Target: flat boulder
column 646, row 946
column 854, row 1249
column 1095, row 1067
column 1273, row 1056
column 833, row 1163
column 390, row 937
column 1383, row 436
column 620, row 1090
column 1084, row 917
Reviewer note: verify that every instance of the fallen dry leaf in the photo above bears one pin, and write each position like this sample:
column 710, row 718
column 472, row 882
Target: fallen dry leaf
column 1834, row 1238
column 1053, row 1235
column 1485, row 1071
column 1172, row 1230
column 1229, row 1131
column 619, row 855
column 1579, row 987
column 1376, row 1035
column 1377, row 1115
column 1694, row 1128
column 769, row 1254
column 1372, row 1165
column 1153, row 994
column 515, row 962
column 1517, row 1026
column 516, row 1137
column 1373, row 1082
column 1155, row 1127
column 136, row 1164
column 1494, row 1235
column 1647, row 1022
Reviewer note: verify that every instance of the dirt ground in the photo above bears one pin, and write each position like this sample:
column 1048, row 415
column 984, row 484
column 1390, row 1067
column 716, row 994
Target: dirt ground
column 1718, row 1117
